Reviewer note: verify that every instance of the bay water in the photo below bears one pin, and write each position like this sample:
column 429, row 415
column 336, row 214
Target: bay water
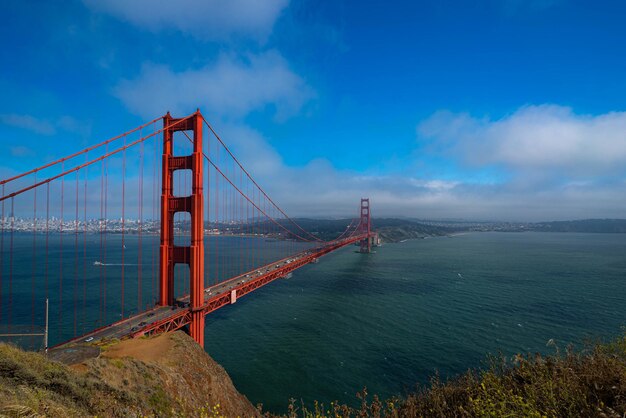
column 386, row 321
column 390, row 320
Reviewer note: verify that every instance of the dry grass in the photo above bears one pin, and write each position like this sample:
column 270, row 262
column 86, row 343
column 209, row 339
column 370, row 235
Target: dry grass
column 30, row 382
column 166, row 376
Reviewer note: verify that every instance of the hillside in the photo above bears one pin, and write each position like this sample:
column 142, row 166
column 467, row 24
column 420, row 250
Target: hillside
column 169, row 375
column 396, row 230
column 584, row 225
column 389, row 229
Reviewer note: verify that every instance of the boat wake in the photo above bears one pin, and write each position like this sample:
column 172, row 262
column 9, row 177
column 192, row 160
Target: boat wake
column 101, row 264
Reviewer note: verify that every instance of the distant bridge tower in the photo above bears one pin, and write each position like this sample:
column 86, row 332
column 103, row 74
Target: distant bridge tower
column 366, row 226
column 192, row 255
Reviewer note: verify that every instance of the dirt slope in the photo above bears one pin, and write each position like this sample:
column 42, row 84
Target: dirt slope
column 168, row 375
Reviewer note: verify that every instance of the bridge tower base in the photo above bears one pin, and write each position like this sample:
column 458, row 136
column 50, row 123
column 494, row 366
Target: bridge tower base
column 192, row 255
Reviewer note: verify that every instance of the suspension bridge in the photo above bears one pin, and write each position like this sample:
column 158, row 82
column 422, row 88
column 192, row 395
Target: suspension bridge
column 144, row 233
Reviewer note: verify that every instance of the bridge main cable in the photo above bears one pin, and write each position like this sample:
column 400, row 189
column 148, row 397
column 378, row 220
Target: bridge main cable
column 271, row 218
column 265, row 194
column 250, row 200
column 346, row 231
column 76, row 154
column 86, row 164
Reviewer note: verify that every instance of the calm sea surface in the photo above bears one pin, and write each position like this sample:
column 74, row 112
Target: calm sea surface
column 386, row 320
column 389, row 320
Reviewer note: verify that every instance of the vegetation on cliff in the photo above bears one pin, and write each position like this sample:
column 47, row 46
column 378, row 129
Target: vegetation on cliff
column 169, row 375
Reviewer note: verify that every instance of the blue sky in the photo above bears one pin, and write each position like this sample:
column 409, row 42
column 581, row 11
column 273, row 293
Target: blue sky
column 501, row 109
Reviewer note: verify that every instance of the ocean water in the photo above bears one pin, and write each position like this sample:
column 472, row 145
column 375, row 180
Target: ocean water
column 387, row 321
column 84, row 296
column 392, row 319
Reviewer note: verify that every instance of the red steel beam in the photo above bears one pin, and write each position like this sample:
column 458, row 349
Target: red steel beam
column 182, row 318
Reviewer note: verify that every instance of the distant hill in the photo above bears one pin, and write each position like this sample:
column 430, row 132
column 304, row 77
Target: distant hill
column 584, row 225
column 389, row 229
column 395, row 230
column 325, row 229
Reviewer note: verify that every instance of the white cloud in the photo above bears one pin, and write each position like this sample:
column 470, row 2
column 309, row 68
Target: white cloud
column 539, row 139
column 318, row 189
column 230, row 87
column 21, row 151
column 254, row 152
column 70, row 124
column 204, row 19
column 578, row 159
column 28, row 122
column 45, row 126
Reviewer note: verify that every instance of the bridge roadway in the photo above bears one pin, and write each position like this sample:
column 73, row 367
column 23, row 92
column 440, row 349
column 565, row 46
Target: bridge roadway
column 169, row 318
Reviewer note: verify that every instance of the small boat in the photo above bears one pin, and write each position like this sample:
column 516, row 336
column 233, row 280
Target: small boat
column 98, row 263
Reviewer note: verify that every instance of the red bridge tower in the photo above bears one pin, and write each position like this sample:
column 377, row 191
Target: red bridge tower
column 366, row 226
column 192, row 255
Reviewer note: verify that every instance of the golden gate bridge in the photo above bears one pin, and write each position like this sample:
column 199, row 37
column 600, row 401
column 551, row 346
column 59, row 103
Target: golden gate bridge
column 136, row 236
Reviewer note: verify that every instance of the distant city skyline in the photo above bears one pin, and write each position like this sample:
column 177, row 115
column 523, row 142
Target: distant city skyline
column 491, row 110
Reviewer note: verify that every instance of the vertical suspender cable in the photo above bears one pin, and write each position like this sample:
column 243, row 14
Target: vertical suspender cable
column 101, row 230
column 255, row 214
column 84, row 311
column 218, row 239
column 231, row 202
column 207, row 204
column 1, row 252
column 76, row 258
column 226, row 268
column 61, row 252
column 249, row 241
column 241, row 229
column 140, row 252
column 154, row 221
column 11, row 263
column 123, row 220
column 47, row 235
column 105, row 221
column 217, row 221
column 34, row 261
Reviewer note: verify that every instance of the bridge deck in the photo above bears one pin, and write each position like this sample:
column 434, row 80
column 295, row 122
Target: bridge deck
column 168, row 318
